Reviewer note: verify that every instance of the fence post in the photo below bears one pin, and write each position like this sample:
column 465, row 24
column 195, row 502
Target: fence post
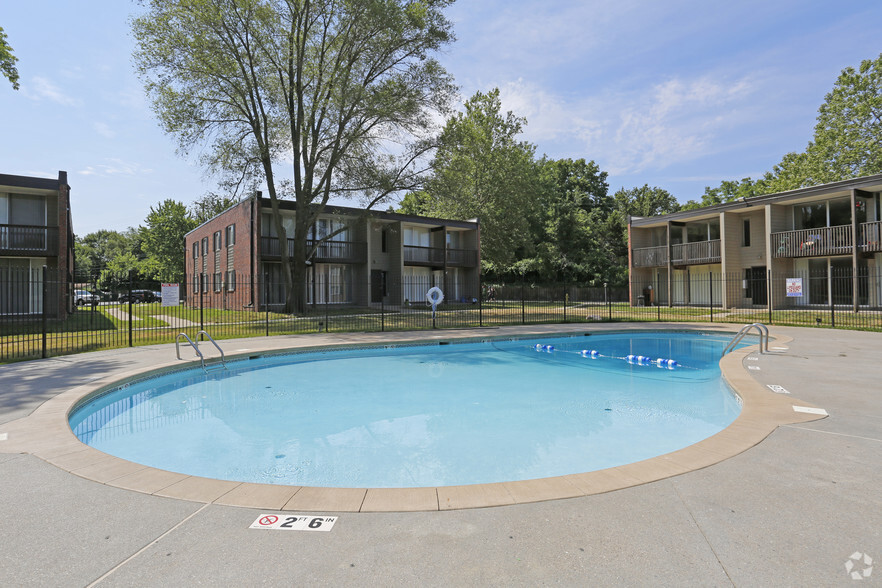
column 711, row 289
column 769, row 291
column 129, row 298
column 45, row 308
column 327, row 303
column 382, row 314
column 266, row 301
column 523, row 314
column 480, row 302
column 608, row 301
column 201, row 310
column 566, row 299
column 832, row 306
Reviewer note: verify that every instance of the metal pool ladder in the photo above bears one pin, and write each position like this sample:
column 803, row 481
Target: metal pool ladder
column 195, row 347
column 763, row 331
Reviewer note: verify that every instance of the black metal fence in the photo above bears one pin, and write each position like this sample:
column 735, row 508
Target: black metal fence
column 43, row 313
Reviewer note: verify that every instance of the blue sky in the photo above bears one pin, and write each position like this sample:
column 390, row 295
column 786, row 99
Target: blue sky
column 679, row 94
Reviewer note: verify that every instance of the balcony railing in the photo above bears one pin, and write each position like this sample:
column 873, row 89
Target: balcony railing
column 462, row 257
column 696, row 253
column 436, row 256
column 31, row 239
column 416, row 255
column 871, row 236
column 326, row 252
column 813, row 242
column 649, row 256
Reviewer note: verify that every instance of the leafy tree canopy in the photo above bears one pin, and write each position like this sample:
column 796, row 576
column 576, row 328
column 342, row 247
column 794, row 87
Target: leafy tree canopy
column 162, row 240
column 209, row 206
column 848, row 134
column 8, row 60
column 482, row 171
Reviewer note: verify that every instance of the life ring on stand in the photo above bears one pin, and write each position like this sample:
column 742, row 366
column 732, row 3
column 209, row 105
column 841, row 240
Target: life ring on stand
column 435, row 296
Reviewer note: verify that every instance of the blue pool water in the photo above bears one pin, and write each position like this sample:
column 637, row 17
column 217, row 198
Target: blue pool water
column 425, row 415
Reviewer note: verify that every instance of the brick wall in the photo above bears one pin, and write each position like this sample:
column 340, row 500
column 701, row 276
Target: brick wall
column 231, row 257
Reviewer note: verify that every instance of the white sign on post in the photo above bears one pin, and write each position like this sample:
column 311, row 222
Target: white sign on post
column 794, row 286
column 171, row 294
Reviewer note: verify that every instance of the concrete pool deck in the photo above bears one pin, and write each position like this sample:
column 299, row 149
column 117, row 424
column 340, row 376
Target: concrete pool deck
column 791, row 509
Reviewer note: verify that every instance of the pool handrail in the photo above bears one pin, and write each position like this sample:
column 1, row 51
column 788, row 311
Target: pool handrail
column 763, row 331
column 213, row 342
column 193, row 345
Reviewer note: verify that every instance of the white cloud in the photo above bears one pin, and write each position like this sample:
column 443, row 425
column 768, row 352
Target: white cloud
column 634, row 129
column 104, row 130
column 41, row 88
column 114, row 167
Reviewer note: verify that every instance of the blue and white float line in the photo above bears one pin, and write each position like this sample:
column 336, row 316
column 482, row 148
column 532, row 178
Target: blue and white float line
column 634, row 359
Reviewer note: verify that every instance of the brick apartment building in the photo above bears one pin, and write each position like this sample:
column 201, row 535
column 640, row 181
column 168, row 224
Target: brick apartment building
column 36, row 231
column 376, row 257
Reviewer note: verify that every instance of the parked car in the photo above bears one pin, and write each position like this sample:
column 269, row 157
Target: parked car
column 84, row 297
column 157, row 296
column 138, row 296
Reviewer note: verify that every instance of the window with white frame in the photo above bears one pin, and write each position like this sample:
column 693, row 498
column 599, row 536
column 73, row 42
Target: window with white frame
column 231, row 281
column 218, row 282
column 231, row 235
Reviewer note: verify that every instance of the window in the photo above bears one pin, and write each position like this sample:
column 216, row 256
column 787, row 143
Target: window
column 218, row 282
column 703, row 231
column 231, row 281
column 203, row 278
column 231, row 235
column 196, row 250
column 217, row 240
column 196, row 279
column 205, row 246
column 745, row 235
column 383, row 243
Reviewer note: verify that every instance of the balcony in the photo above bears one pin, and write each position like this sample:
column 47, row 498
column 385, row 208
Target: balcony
column 326, row 252
column 649, row 256
column 29, row 240
column 813, row 242
column 696, row 253
column 437, row 256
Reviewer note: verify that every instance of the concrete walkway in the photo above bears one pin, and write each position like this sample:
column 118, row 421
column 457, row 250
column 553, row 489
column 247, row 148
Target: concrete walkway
column 789, row 511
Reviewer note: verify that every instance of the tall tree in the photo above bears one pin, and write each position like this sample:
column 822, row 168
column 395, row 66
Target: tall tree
column 8, row 60
column 344, row 91
column 97, row 251
column 645, row 201
column 847, row 141
column 210, row 205
column 727, row 191
column 162, row 240
column 570, row 223
column 481, row 170
column 848, row 134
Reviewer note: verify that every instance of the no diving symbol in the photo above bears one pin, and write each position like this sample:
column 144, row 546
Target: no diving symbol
column 268, row 520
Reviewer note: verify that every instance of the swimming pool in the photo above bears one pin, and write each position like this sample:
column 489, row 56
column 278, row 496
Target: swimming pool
column 423, row 415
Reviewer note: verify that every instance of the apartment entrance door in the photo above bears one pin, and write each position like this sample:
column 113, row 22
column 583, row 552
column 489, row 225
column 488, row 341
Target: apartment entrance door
column 378, row 286
column 757, row 286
